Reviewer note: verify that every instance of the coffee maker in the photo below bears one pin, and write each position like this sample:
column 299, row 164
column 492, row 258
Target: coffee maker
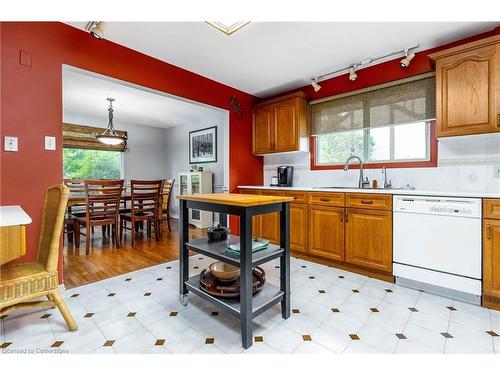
column 284, row 177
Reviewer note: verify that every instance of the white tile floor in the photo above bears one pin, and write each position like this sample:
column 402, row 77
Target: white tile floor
column 120, row 316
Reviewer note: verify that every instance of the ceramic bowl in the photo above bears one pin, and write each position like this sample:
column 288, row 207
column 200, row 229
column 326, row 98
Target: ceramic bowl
column 224, row 271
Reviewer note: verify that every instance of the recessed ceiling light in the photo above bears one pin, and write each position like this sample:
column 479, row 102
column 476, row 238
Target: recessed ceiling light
column 228, row 27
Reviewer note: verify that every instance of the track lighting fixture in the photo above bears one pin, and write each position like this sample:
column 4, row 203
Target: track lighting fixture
column 352, row 73
column 315, row 85
column 409, row 54
column 96, row 29
column 405, row 62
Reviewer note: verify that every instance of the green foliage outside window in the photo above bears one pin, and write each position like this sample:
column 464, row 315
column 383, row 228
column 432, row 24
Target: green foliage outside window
column 335, row 148
column 82, row 163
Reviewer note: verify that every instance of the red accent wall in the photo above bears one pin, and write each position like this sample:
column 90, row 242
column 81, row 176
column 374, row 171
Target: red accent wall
column 31, row 106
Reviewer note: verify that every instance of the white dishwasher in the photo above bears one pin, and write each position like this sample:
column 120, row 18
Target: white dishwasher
column 437, row 245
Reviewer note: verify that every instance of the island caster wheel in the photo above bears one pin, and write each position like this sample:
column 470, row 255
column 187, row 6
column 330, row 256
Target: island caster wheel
column 184, row 299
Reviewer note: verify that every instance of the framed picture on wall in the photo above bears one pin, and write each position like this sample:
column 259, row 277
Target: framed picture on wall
column 203, row 146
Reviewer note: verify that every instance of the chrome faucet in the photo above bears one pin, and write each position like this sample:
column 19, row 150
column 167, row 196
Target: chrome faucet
column 362, row 182
column 387, row 184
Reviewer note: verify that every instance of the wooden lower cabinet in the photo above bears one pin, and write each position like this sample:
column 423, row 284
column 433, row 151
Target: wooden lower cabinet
column 491, row 263
column 368, row 241
column 299, row 220
column 326, row 232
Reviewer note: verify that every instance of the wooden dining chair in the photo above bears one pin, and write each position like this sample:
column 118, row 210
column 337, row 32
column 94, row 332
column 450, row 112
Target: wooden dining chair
column 22, row 283
column 102, row 204
column 76, row 188
column 144, row 206
column 168, row 187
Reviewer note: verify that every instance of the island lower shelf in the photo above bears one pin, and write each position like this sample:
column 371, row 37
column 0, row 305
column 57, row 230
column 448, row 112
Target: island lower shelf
column 218, row 250
column 261, row 301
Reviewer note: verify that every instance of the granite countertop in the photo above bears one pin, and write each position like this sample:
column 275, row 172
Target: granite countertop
column 378, row 191
column 13, row 215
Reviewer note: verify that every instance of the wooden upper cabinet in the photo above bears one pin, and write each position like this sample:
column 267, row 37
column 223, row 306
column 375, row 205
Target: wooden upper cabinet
column 468, row 88
column 368, row 241
column 280, row 124
column 263, row 130
column 491, row 261
column 326, row 232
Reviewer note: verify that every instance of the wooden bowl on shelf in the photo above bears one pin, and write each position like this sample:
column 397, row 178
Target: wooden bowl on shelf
column 224, row 272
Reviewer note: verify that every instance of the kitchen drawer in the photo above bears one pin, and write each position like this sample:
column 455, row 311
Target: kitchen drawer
column 327, row 199
column 249, row 191
column 298, row 196
column 374, row 201
column 491, row 208
column 272, row 192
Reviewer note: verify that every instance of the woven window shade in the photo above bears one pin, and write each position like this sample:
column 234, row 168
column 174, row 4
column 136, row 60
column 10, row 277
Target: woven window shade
column 388, row 104
column 79, row 136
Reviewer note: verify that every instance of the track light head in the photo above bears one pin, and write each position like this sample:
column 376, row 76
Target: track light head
column 315, row 85
column 352, row 73
column 96, row 29
column 405, row 62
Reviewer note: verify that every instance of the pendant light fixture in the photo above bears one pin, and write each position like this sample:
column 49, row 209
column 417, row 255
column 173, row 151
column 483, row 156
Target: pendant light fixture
column 110, row 136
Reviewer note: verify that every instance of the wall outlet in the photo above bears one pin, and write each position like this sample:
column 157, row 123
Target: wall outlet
column 10, row 144
column 50, row 143
column 496, row 171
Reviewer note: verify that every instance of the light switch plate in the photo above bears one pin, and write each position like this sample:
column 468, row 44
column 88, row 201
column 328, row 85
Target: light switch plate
column 50, row 143
column 496, row 171
column 10, row 143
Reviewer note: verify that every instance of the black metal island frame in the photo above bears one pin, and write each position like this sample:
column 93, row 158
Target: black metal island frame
column 245, row 207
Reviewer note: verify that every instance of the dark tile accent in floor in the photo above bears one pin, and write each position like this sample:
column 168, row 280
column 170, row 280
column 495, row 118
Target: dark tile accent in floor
column 169, row 267
column 412, row 309
column 196, row 267
column 276, row 266
column 128, row 279
column 451, row 308
column 74, row 295
column 447, row 335
column 341, row 277
column 389, row 290
column 57, row 344
column 88, row 315
column 45, row 316
column 159, row 279
column 355, row 291
column 109, row 343
column 160, row 342
column 321, row 291
column 131, row 314
column 306, row 337
column 353, row 336
column 214, row 313
column 312, row 277
column 335, row 310
column 200, row 258
column 5, row 345
column 374, row 309
column 259, row 338
column 147, row 294
column 492, row 333
column 173, row 313
column 400, row 336
column 111, row 294
column 209, row 340
column 304, row 266
column 296, row 311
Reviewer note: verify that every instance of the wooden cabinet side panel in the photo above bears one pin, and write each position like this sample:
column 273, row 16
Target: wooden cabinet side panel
column 326, row 232
column 369, row 238
column 491, row 258
column 299, row 226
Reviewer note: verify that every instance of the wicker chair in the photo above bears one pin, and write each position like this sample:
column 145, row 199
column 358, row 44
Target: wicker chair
column 21, row 283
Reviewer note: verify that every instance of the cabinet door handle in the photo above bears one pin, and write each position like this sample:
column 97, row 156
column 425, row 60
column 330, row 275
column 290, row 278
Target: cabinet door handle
column 488, row 231
column 366, row 201
column 324, row 199
column 346, row 216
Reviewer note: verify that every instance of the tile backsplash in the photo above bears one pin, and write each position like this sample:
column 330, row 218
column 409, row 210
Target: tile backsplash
column 465, row 164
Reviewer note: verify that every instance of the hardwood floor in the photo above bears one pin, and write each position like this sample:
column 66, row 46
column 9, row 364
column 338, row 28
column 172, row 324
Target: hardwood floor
column 104, row 261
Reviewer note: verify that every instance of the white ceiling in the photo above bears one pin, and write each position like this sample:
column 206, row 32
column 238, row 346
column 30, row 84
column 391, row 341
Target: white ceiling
column 266, row 58
column 85, row 93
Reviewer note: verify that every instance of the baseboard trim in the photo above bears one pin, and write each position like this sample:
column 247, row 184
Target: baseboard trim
column 344, row 266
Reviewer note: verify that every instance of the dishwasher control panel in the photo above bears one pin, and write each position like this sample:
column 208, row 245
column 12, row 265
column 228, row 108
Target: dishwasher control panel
column 449, row 206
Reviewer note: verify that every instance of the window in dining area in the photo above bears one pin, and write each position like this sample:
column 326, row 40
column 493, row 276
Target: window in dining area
column 92, row 164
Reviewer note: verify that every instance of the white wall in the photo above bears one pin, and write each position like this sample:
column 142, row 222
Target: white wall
column 465, row 164
column 177, row 154
column 146, row 154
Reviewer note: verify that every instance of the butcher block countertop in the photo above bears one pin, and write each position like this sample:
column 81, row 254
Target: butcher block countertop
column 231, row 199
